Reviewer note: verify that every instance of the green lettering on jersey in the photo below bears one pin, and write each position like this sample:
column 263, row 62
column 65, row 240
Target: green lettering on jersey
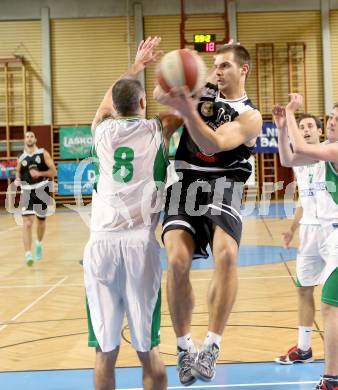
column 160, row 165
column 123, row 169
column 332, row 179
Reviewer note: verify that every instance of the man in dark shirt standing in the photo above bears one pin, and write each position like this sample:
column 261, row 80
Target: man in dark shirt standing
column 212, row 159
column 34, row 170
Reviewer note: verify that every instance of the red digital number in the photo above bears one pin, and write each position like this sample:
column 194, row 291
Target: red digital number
column 210, row 46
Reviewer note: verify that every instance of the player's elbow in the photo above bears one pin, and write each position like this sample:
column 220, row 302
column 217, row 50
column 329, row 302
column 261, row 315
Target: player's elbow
column 284, row 163
column 297, row 148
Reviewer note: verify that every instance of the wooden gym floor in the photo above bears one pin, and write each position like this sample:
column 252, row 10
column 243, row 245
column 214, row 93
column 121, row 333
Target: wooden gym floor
column 42, row 312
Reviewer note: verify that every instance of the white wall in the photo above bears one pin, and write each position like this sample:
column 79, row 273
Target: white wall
column 30, row 9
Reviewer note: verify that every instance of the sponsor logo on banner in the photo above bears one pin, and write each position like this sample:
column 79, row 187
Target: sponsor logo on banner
column 7, row 169
column 69, row 184
column 267, row 142
column 75, row 142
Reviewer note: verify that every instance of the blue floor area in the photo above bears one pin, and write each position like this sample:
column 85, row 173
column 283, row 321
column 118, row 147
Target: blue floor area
column 248, row 255
column 253, row 376
column 266, row 210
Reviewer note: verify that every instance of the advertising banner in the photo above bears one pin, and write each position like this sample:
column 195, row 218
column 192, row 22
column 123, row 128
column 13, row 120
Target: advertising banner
column 75, row 178
column 267, row 142
column 7, row 169
column 75, row 142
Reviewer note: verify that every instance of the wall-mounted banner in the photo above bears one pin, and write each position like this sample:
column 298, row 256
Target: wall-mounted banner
column 75, row 142
column 84, row 183
column 7, row 169
column 267, row 142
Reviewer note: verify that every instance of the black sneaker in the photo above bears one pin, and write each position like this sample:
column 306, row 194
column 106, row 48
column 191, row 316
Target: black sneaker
column 185, row 361
column 205, row 365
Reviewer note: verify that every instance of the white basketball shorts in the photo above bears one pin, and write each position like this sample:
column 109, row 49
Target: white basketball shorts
column 122, row 275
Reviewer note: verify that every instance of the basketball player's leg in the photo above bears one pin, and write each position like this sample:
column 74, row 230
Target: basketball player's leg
column 309, row 268
column 221, row 297
column 105, row 309
column 223, row 286
column 330, row 319
column 40, row 232
column 28, row 221
column 104, row 370
column 40, row 228
column 154, row 373
column 179, row 245
column 330, row 306
column 180, row 248
column 27, row 233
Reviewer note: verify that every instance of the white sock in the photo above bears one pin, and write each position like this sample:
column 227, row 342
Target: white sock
column 185, row 342
column 304, row 337
column 213, row 338
column 28, row 253
column 38, row 242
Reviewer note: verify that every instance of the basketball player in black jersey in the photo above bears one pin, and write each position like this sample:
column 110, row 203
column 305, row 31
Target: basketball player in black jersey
column 212, row 159
column 34, row 170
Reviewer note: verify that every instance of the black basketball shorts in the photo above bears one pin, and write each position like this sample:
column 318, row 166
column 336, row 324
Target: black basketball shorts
column 35, row 201
column 196, row 203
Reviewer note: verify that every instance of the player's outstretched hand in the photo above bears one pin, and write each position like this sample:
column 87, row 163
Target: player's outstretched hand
column 296, row 101
column 279, row 117
column 146, row 52
column 178, row 98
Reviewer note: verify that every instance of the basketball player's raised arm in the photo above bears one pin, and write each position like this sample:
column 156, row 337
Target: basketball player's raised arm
column 325, row 152
column 243, row 130
column 286, row 155
column 145, row 55
column 170, row 123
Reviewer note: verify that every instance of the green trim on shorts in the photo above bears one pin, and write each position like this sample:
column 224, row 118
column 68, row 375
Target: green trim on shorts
column 330, row 289
column 92, row 340
column 156, row 322
column 298, row 283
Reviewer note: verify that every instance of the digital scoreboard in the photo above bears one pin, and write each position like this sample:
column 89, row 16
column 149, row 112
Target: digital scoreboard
column 205, row 42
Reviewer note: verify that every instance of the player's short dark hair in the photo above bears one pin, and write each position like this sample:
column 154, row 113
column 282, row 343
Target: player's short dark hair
column 241, row 54
column 126, row 94
column 30, row 131
column 335, row 106
column 306, row 115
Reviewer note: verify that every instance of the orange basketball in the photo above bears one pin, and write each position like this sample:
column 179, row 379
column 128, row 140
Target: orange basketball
column 181, row 67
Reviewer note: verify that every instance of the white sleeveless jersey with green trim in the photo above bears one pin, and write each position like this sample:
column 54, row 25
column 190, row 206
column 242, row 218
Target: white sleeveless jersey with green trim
column 131, row 161
column 305, row 176
column 326, row 188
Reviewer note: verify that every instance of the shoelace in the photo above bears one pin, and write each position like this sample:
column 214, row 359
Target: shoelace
column 207, row 359
column 186, row 361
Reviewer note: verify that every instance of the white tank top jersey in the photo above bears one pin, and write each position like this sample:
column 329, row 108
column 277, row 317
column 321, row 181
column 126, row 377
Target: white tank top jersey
column 130, row 160
column 305, row 176
column 326, row 188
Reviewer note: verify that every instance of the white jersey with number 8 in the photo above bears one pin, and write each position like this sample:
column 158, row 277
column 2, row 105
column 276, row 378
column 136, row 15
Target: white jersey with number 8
column 130, row 160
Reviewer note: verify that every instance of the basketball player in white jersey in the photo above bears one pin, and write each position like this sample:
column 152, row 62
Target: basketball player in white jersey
column 217, row 141
column 35, row 168
column 309, row 261
column 325, row 181
column 122, row 267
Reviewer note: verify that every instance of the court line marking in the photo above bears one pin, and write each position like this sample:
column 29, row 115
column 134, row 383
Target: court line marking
column 82, row 285
column 35, row 301
column 9, row 229
column 231, row 386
